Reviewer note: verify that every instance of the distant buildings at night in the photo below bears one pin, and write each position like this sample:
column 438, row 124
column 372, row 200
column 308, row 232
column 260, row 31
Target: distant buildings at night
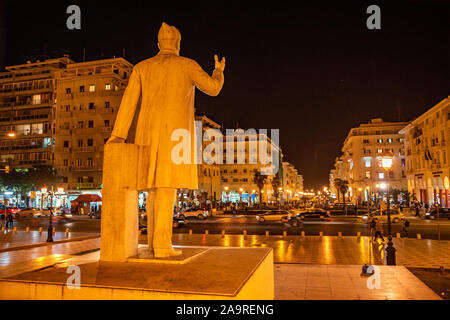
column 419, row 151
column 61, row 113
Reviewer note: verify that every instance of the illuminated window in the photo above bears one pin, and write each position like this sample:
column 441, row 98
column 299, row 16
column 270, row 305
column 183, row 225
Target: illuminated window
column 107, row 86
column 380, row 140
column 380, row 150
column 368, row 174
column 36, row 99
column 368, row 163
column 381, row 175
column 390, row 140
column 92, row 88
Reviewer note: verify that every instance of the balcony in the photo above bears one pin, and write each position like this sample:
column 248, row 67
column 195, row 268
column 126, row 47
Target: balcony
column 65, row 114
column 65, row 96
column 63, row 132
column 84, row 149
column 84, row 168
column 106, row 110
column 83, row 185
column 435, row 166
column 84, row 131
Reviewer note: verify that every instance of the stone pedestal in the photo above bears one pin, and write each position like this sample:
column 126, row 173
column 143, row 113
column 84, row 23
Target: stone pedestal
column 203, row 273
column 120, row 220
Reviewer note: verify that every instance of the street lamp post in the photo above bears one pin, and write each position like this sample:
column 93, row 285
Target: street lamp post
column 386, row 162
column 51, row 194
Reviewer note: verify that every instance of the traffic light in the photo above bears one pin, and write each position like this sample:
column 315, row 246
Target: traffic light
column 6, row 169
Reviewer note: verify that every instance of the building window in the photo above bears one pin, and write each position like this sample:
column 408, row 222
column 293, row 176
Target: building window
column 80, row 179
column 68, row 90
column 90, row 142
column 368, row 163
column 368, row 174
column 92, row 88
column 89, row 162
column 90, row 123
column 80, row 125
column 107, row 104
column 81, row 88
column 66, row 144
column 225, row 171
column 390, row 140
column 80, row 143
column 66, row 162
column 381, row 175
column 91, row 106
column 106, row 123
column 380, row 140
column 380, row 150
column 107, row 86
column 65, row 179
column 366, row 141
column 235, row 180
column 90, row 179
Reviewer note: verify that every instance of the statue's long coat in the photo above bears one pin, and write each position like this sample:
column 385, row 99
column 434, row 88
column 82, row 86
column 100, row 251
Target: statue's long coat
column 166, row 86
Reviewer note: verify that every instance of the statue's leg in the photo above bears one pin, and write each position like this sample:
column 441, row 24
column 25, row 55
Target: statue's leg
column 163, row 223
column 150, row 218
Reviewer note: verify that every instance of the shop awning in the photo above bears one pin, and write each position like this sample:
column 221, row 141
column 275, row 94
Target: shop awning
column 88, row 198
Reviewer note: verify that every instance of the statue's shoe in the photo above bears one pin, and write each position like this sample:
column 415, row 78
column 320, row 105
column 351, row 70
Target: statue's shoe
column 164, row 253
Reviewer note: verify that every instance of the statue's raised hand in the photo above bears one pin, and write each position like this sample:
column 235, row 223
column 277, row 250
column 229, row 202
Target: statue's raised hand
column 219, row 65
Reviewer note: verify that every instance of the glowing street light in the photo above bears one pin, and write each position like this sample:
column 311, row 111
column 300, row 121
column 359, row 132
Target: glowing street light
column 386, row 163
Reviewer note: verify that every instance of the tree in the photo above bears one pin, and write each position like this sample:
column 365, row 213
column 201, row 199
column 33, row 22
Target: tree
column 341, row 186
column 407, row 196
column 276, row 184
column 260, row 181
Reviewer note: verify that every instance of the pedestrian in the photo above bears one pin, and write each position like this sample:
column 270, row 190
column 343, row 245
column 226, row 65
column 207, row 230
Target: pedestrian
column 417, row 211
column 3, row 219
column 372, row 225
column 405, row 227
column 234, row 210
column 379, row 230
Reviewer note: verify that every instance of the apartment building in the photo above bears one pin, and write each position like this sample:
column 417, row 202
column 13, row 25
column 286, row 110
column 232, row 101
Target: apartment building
column 27, row 108
column 88, row 98
column 209, row 181
column 362, row 152
column 292, row 182
column 427, row 150
column 238, row 178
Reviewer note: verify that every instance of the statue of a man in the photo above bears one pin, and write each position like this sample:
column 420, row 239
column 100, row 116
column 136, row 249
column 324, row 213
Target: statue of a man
column 165, row 87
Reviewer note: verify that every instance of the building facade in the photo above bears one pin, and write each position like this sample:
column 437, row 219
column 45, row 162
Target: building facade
column 362, row 152
column 427, row 165
column 88, row 98
column 27, row 115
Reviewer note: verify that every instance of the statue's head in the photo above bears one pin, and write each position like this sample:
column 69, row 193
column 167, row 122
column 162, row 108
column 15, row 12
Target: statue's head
column 169, row 38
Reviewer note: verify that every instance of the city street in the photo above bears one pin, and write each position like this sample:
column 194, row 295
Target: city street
column 349, row 226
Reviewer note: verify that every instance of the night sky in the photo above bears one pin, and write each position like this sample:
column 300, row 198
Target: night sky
column 312, row 70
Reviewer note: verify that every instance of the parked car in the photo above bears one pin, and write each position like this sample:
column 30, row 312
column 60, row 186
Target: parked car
column 314, row 214
column 192, row 212
column 396, row 216
column 272, row 215
column 444, row 213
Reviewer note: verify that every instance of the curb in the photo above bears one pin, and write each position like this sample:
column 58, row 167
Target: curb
column 42, row 244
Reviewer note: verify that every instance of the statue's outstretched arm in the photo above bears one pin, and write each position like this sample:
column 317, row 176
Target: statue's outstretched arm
column 211, row 85
column 128, row 106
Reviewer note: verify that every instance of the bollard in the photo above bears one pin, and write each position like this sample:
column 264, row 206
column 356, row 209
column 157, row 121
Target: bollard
column 15, row 229
column 245, row 233
column 3, row 229
column 223, row 233
column 267, row 233
column 284, row 233
column 419, row 236
column 54, row 230
column 190, row 231
column 358, row 234
column 398, row 235
column 67, row 231
column 40, row 229
column 320, row 234
column 340, row 234
column 303, row 233
column 27, row 229
column 206, row 231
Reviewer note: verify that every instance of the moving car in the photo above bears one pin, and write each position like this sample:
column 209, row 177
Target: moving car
column 444, row 213
column 314, row 214
column 272, row 215
column 396, row 216
column 192, row 212
column 26, row 212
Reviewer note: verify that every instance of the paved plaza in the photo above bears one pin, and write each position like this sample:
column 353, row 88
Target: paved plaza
column 308, row 267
